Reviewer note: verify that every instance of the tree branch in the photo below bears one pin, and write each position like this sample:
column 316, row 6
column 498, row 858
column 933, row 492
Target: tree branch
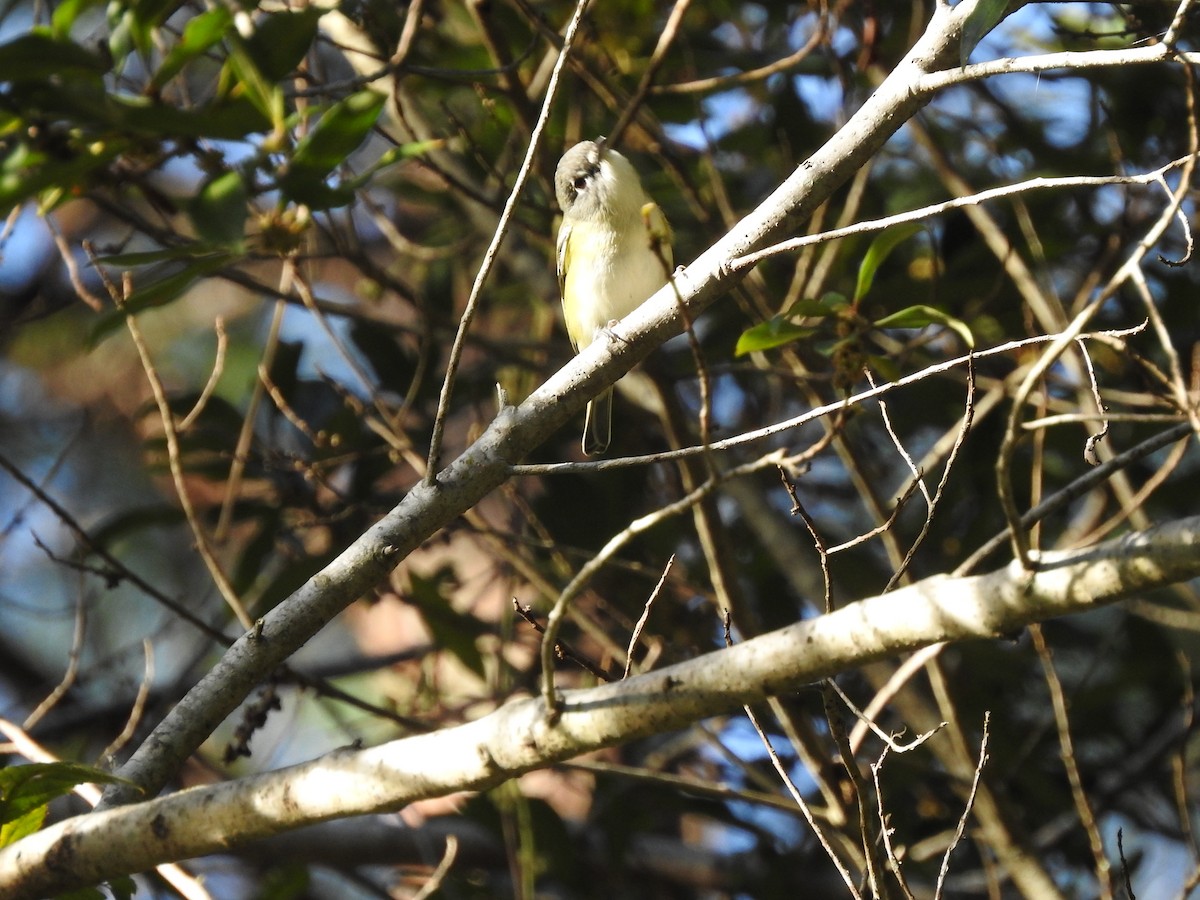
column 519, row 737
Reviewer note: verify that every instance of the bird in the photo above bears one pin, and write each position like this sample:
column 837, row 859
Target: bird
column 613, row 253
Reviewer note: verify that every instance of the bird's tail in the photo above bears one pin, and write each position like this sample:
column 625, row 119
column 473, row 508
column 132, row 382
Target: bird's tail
column 597, row 430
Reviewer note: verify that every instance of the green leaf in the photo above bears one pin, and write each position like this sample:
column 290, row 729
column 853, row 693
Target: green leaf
column 123, row 887
column 922, row 316
column 224, row 119
column 200, row 34
column 983, row 18
column 775, row 332
column 25, row 792
column 809, row 308
column 281, row 40
column 66, row 14
column 263, row 94
column 885, row 242
column 338, row 133
column 29, row 822
column 38, row 56
column 26, row 172
column 218, row 211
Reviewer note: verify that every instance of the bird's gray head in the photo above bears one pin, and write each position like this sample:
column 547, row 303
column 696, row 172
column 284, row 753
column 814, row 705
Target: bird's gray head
column 593, row 181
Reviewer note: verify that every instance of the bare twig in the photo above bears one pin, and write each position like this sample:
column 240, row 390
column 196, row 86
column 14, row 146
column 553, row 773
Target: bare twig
column 211, row 385
column 962, row 820
column 1083, row 807
column 430, row 887
column 139, row 705
column 782, row 772
column 645, row 616
column 964, row 429
column 614, row 544
column 489, row 257
column 174, row 456
column 69, row 676
column 562, row 649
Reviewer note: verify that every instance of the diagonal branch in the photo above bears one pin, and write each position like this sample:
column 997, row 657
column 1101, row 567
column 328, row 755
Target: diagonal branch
column 520, row 737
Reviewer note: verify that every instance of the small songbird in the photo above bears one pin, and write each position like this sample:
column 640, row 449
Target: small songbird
column 614, row 251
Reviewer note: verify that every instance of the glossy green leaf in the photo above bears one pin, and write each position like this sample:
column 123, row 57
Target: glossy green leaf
column 26, row 790
column 29, row 822
column 337, row 134
column 281, row 40
column 810, row 308
column 232, row 120
column 26, row 173
column 65, row 15
column 37, row 57
column 199, row 35
column 922, row 316
column 254, row 87
column 885, row 242
column 774, row 332
column 219, row 210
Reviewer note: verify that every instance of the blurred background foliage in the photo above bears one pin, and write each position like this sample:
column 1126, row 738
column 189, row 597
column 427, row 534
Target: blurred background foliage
column 291, row 204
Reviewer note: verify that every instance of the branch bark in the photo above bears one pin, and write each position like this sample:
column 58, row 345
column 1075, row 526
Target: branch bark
column 516, row 431
column 519, row 737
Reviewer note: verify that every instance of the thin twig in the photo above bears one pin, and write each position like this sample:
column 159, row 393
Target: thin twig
column 818, row 541
column 443, row 869
column 817, row 412
column 885, row 830
column 962, row 820
column 666, row 38
column 174, row 454
column 615, row 543
column 782, row 772
column 139, row 705
column 762, row 73
column 1077, row 488
column 562, row 649
column 1083, row 807
column 963, row 431
column 887, row 739
column 489, row 257
column 935, row 209
column 211, row 385
column 241, row 450
column 645, row 616
column 65, row 683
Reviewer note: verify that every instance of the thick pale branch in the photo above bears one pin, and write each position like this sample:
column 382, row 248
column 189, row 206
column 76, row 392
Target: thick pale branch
column 517, row 431
column 520, row 737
